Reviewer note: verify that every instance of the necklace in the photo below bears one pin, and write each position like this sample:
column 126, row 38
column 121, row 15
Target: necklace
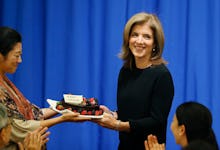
column 144, row 67
column 149, row 65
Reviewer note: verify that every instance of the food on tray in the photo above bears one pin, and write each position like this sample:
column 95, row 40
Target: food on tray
column 88, row 106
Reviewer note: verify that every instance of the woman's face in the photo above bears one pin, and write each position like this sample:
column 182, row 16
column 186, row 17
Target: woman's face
column 10, row 62
column 175, row 129
column 141, row 41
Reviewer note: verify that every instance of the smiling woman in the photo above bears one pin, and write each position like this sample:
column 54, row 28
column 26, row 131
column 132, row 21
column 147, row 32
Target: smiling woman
column 145, row 86
column 141, row 44
column 26, row 116
column 14, row 58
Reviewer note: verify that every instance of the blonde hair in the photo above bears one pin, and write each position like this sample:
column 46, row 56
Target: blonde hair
column 155, row 25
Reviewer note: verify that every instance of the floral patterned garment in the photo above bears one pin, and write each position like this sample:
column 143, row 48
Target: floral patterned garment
column 12, row 109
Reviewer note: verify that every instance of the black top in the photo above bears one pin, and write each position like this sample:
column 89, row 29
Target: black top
column 144, row 98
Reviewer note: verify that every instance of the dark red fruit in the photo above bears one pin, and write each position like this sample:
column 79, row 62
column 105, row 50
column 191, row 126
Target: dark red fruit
column 92, row 99
column 100, row 112
column 60, row 107
column 97, row 113
column 89, row 112
column 84, row 112
column 93, row 102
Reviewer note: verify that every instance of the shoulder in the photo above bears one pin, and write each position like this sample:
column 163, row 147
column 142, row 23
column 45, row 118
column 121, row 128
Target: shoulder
column 124, row 70
column 10, row 104
column 160, row 70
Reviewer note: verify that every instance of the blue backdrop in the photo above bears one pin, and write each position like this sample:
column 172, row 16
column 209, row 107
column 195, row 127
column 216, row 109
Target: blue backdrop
column 71, row 46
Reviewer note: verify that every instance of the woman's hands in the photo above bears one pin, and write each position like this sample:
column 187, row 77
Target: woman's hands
column 152, row 143
column 74, row 117
column 110, row 120
column 35, row 140
column 107, row 110
column 66, row 117
column 107, row 121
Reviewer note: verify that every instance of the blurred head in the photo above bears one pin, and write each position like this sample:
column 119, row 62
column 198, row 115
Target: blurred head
column 5, row 127
column 192, row 121
column 156, row 29
column 199, row 145
column 10, row 50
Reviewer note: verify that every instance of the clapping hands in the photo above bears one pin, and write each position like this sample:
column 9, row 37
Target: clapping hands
column 152, row 143
column 35, row 140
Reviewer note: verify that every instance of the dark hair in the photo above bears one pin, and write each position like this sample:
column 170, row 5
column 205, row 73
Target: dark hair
column 8, row 39
column 199, row 145
column 197, row 120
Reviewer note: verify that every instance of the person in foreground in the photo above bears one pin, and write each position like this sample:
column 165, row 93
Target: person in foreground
column 192, row 124
column 33, row 141
column 26, row 116
column 199, row 145
column 5, row 127
column 145, row 87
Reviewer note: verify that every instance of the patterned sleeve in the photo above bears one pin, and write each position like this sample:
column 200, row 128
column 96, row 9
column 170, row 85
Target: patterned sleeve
column 20, row 128
column 10, row 105
column 38, row 113
column 12, row 108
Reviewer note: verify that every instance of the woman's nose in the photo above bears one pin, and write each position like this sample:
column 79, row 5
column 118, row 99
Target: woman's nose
column 139, row 39
column 20, row 59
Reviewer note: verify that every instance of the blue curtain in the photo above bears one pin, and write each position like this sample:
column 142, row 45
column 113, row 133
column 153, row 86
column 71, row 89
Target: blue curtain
column 71, row 46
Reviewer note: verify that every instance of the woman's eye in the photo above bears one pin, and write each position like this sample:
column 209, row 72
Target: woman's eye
column 17, row 55
column 134, row 35
column 147, row 36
